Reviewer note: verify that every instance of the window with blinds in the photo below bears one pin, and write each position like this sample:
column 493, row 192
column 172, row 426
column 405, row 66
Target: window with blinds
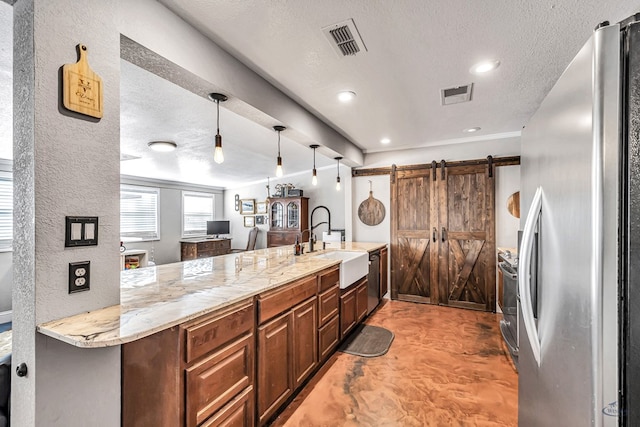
column 197, row 209
column 139, row 213
column 6, row 212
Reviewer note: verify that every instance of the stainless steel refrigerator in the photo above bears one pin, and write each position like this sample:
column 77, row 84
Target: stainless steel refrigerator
column 579, row 318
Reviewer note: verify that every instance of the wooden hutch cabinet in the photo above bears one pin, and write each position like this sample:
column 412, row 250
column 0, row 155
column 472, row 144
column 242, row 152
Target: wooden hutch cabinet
column 289, row 217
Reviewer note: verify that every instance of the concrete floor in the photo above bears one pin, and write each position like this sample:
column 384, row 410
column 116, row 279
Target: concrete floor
column 446, row 367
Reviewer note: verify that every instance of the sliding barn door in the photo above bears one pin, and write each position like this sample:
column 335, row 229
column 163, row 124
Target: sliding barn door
column 442, row 235
column 414, row 263
column 467, row 273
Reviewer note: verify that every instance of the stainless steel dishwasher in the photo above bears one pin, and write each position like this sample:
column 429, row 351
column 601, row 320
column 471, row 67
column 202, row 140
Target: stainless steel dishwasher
column 373, row 291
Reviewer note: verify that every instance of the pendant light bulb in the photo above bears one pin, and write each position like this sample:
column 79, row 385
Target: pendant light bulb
column 218, row 155
column 279, row 171
column 314, row 177
column 338, row 184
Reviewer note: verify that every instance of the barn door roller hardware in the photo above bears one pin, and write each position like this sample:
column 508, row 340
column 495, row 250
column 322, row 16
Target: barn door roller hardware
column 490, row 165
column 433, row 171
column 443, row 165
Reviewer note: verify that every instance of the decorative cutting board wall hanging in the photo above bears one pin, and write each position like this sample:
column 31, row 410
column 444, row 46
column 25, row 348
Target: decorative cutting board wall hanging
column 371, row 211
column 81, row 87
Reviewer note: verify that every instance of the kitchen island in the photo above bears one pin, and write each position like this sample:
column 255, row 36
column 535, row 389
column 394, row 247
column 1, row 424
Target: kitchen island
column 221, row 339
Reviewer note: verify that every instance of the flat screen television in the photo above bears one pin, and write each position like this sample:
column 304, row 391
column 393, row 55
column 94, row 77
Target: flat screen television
column 215, row 228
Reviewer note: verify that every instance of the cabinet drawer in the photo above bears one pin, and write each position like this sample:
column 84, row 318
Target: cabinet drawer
column 328, row 337
column 329, row 279
column 214, row 381
column 274, row 303
column 237, row 413
column 206, row 254
column 206, row 335
column 328, row 304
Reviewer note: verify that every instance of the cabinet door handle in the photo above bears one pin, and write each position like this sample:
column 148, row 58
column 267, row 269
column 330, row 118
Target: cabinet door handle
column 443, row 235
column 434, row 234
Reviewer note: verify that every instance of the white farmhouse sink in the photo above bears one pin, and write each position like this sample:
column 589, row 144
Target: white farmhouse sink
column 353, row 267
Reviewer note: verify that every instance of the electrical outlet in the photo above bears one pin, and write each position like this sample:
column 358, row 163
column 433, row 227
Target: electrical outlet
column 79, row 276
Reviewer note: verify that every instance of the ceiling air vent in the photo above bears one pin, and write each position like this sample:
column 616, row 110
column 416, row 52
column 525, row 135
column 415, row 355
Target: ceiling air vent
column 456, row 95
column 344, row 38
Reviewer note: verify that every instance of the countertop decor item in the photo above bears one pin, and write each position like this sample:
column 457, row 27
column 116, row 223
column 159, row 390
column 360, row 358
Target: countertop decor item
column 82, row 87
column 371, row 210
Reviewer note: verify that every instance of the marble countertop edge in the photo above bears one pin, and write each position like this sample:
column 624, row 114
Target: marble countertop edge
column 187, row 298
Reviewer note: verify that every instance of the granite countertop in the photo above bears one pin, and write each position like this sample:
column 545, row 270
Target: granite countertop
column 156, row 298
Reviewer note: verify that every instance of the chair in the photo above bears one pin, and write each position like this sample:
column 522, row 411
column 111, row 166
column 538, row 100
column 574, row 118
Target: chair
column 251, row 242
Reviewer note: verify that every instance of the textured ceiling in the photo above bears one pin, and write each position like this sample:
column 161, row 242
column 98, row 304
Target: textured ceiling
column 153, row 109
column 415, row 48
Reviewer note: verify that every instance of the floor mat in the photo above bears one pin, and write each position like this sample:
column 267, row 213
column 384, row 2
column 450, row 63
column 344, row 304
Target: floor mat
column 368, row 341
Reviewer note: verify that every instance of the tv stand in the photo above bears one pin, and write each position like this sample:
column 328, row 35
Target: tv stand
column 203, row 247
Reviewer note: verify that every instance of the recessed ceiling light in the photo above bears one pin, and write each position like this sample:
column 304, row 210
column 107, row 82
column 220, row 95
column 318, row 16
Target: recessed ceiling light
column 471, row 130
column 346, row 96
column 162, row 146
column 385, row 141
column 484, row 67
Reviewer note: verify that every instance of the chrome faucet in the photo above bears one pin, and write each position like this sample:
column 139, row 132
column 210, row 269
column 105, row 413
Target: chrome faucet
column 312, row 236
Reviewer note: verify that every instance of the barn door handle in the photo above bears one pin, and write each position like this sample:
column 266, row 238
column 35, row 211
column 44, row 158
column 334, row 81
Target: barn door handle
column 434, row 234
column 443, row 234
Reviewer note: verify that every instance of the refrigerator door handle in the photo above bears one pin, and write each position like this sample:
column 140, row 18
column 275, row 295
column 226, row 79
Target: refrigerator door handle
column 524, row 276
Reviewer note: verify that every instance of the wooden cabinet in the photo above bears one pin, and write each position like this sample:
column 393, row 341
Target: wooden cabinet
column 305, row 341
column 204, row 248
column 200, row 373
column 287, row 343
column 275, row 378
column 348, row 316
column 443, row 235
column 384, row 270
column 289, row 217
column 328, row 312
column 353, row 306
column 362, row 299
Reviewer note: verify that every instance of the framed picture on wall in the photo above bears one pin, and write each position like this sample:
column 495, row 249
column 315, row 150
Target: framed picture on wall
column 261, row 208
column 247, row 206
column 260, row 220
column 249, row 221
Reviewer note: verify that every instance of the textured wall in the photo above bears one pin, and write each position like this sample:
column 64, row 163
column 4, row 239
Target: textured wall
column 64, row 165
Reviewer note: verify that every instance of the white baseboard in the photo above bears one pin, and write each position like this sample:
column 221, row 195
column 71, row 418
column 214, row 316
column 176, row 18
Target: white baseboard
column 6, row 316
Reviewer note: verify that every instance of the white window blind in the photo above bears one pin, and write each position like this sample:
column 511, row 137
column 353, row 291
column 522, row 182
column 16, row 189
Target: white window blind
column 197, row 209
column 6, row 212
column 139, row 213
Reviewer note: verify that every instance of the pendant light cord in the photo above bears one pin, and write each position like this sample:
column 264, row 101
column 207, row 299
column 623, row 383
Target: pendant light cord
column 278, row 143
column 217, row 117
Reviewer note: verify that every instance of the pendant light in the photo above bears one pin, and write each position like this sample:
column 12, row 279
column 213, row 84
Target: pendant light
column 314, row 178
column 279, row 129
column 218, row 156
column 338, row 179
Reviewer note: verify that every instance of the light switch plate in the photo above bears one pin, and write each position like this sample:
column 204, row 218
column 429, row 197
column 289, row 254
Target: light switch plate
column 79, row 276
column 81, row 231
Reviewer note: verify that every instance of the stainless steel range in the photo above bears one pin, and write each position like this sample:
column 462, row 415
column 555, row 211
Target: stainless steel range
column 508, row 265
